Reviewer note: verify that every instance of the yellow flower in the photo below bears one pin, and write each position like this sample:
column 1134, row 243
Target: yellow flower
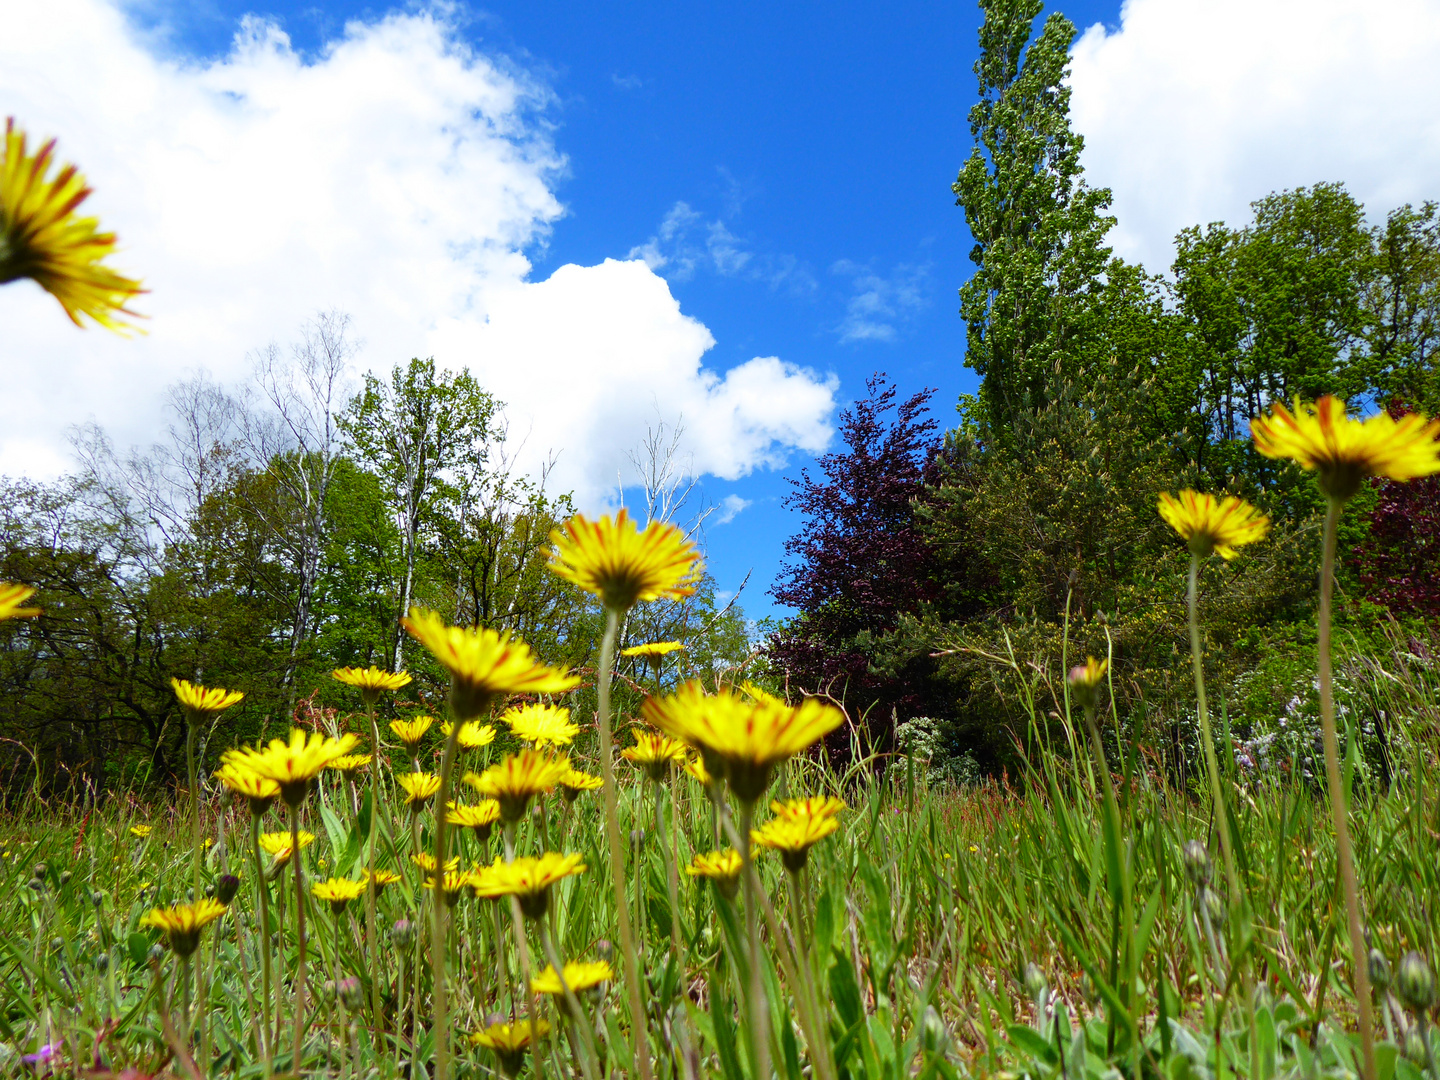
column 652, row 650
column 371, row 682
column 579, row 975
column 755, row 692
column 420, row 788
column 654, row 754
column 379, row 879
column 140, row 831
column 277, row 845
column 510, row 1041
column 411, row 731
column 517, row 779
column 483, row 664
column 480, row 817
column 294, row 764
column 472, row 736
column 542, row 725
column 574, row 782
column 745, row 738
column 527, row 879
column 41, row 237
column 339, row 891
column 183, row 922
column 622, row 565
column 721, row 867
column 201, row 703
column 815, row 806
column 259, row 791
column 1085, row 680
column 351, row 763
column 695, row 766
column 1343, row 451
column 426, row 862
column 452, row 885
column 1214, row 525
column 11, row 597
column 793, row 835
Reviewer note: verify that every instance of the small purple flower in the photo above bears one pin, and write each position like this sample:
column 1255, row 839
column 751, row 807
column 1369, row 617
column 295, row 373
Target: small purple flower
column 41, row 1056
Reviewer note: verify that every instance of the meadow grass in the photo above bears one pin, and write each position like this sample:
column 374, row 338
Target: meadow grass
column 1001, row 928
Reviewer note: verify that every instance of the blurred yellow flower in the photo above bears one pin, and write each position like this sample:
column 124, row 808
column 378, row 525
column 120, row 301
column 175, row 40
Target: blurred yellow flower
column 793, row 835
column 350, row 764
column 140, row 831
column 472, row 736
column 11, row 597
column 517, row 779
column 426, row 862
column 452, row 884
column 338, row 891
column 750, row 737
column 42, row 238
column 259, row 791
column 1209, row 524
column 816, row 806
column 483, row 664
column 201, row 703
column 722, row 867
column 579, row 975
column 420, row 787
column 1085, row 680
column 509, row 1041
column 371, row 681
column 650, row 650
column 541, row 725
column 183, row 922
column 379, row 879
column 622, row 564
column 292, row 764
column 575, row 782
column 654, row 754
column 277, row 844
column 411, row 731
column 695, row 766
column 1323, row 439
column 481, row 817
column 527, row 878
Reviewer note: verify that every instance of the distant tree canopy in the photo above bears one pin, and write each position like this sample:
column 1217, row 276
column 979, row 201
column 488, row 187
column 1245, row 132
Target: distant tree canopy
column 271, row 536
column 927, row 562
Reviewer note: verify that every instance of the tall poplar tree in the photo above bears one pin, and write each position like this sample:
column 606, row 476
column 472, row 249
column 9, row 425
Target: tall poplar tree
column 1032, row 307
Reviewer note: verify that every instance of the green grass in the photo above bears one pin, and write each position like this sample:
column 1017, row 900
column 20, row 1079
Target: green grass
column 917, row 922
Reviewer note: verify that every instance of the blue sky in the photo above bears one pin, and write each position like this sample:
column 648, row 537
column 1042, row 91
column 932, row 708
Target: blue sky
column 462, row 180
column 821, row 138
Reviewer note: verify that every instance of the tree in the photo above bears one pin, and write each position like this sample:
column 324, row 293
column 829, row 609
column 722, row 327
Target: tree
column 413, row 434
column 859, row 561
column 1034, row 303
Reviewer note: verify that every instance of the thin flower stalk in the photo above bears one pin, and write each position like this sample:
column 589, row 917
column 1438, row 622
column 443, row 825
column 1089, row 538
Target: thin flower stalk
column 262, row 888
column 589, row 1059
column 295, row 861
column 1212, row 763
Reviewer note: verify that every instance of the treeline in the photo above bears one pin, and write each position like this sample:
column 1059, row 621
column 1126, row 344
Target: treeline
column 932, row 561
column 276, row 532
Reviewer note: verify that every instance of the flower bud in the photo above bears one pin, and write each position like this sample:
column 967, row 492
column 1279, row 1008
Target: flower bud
column 97, row 898
column 402, row 935
column 1197, row 862
column 65, row 877
column 350, row 995
column 605, row 950
column 57, row 944
column 226, row 886
column 637, row 838
column 35, row 884
column 210, row 892
column 1415, row 1046
column 1035, row 983
column 1379, row 970
column 1415, row 982
column 1214, row 904
column 41, row 869
column 156, row 953
column 102, row 963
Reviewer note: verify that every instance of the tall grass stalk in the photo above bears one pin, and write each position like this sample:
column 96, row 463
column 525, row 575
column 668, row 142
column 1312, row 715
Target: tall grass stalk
column 1202, row 710
column 1359, row 953
column 617, row 850
column 295, row 861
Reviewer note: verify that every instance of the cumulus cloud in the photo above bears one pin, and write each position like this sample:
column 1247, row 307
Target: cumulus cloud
column 880, row 305
column 730, row 507
column 1192, row 109
column 399, row 175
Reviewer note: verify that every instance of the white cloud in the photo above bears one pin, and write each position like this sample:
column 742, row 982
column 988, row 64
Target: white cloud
column 686, row 243
column 730, row 507
column 879, row 306
column 1193, row 109
column 398, row 175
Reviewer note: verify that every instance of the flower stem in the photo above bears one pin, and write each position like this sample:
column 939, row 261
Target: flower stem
column 589, row 1058
column 439, row 907
column 759, row 1011
column 195, row 838
column 1212, row 764
column 295, row 861
column 672, row 882
column 1359, row 954
column 370, row 952
column 617, row 851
